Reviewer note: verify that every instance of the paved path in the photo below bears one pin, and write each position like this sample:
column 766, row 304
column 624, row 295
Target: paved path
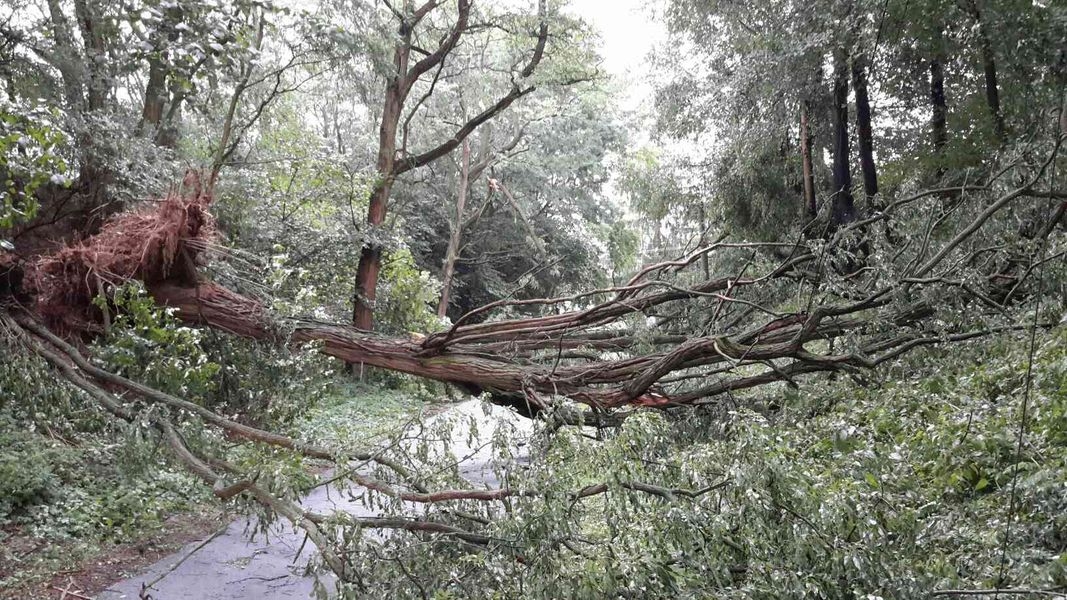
column 233, row 566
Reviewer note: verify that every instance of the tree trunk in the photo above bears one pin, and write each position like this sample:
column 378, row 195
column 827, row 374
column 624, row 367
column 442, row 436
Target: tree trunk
column 67, row 59
column 989, row 65
column 389, row 167
column 705, row 264
column 227, row 142
column 370, row 257
column 938, row 106
column 863, row 128
column 844, row 210
column 154, row 94
column 810, row 207
column 95, row 52
column 452, row 254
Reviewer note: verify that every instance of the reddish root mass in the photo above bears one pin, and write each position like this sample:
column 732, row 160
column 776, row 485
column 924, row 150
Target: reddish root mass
column 154, row 244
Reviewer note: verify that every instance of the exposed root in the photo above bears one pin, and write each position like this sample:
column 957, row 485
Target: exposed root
column 148, row 244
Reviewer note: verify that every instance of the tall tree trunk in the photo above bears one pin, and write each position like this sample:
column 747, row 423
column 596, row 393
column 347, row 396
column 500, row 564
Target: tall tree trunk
column 810, row 206
column 938, row 106
column 705, row 265
column 155, row 94
column 844, row 210
column 989, row 66
column 228, row 141
column 388, row 166
column 452, row 254
column 370, row 257
column 864, row 132
column 87, row 12
column 66, row 57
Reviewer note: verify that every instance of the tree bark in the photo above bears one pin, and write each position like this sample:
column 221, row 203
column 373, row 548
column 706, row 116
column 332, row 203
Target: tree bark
column 938, row 106
column 705, row 263
column 989, row 66
column 227, row 144
column 154, row 93
column 844, row 210
column 95, row 52
column 864, row 131
column 66, row 58
column 370, row 257
column 810, row 207
column 452, row 254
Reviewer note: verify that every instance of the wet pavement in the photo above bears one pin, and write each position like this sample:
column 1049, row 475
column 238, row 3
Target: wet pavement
column 235, row 565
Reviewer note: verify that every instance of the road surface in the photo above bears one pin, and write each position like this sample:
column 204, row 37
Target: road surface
column 236, row 566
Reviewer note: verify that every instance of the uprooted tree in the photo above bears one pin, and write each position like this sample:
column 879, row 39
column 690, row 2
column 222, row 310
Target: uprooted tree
column 665, row 340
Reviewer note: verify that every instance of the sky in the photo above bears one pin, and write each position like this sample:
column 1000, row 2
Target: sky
column 628, row 34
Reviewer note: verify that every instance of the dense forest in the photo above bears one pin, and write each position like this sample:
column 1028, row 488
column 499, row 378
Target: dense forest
column 791, row 327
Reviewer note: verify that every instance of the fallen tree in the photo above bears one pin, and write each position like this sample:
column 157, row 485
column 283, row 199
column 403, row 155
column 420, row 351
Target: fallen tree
column 591, row 355
column 595, row 348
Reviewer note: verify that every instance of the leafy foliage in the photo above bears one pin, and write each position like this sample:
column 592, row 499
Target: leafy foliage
column 146, row 343
column 843, row 490
column 31, row 143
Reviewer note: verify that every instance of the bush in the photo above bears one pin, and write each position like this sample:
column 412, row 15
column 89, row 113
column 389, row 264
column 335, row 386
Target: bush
column 26, row 477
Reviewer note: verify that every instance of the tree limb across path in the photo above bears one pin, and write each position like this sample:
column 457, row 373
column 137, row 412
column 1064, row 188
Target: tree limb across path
column 613, row 350
column 594, row 348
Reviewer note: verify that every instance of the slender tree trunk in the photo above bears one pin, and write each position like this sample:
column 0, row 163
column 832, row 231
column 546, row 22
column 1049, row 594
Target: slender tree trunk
column 810, row 206
column 844, row 210
column 95, row 52
column 227, row 143
column 67, row 58
column 389, row 167
column 989, row 66
column 370, row 257
column 452, row 254
column 864, row 131
column 705, row 264
column 938, row 106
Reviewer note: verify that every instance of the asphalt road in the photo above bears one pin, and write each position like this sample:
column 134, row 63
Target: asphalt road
column 234, row 565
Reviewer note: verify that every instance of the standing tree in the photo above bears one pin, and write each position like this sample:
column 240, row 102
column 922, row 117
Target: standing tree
column 843, row 210
column 864, row 132
column 394, row 157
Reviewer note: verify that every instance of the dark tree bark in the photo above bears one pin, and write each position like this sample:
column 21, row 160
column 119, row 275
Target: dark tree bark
column 67, row 58
column 864, row 132
column 810, row 207
column 87, row 12
column 938, row 105
column 844, row 210
column 989, row 66
column 156, row 91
